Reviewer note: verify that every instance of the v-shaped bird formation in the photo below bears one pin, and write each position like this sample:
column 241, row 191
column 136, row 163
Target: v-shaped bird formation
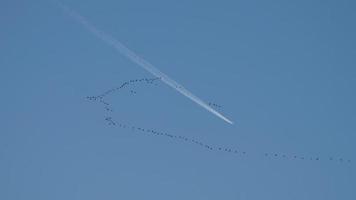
column 130, row 87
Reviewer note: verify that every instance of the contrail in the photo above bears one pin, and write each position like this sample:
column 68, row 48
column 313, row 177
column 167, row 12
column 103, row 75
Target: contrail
column 138, row 60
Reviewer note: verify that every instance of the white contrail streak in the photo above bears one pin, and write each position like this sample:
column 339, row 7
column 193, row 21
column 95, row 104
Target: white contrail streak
column 138, row 60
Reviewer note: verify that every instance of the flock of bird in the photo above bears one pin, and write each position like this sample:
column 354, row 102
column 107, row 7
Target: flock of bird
column 214, row 105
column 107, row 106
column 235, row 151
column 181, row 138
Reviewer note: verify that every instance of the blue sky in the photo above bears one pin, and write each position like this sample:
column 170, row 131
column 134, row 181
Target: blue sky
column 283, row 71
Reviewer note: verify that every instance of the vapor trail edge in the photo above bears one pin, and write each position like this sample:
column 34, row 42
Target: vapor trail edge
column 138, row 60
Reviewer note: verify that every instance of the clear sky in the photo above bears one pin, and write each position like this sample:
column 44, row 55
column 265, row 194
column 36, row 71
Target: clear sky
column 283, row 71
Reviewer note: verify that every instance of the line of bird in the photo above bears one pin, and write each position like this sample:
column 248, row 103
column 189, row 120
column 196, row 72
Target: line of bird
column 132, row 82
column 210, row 147
column 124, row 85
column 111, row 122
column 214, row 105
